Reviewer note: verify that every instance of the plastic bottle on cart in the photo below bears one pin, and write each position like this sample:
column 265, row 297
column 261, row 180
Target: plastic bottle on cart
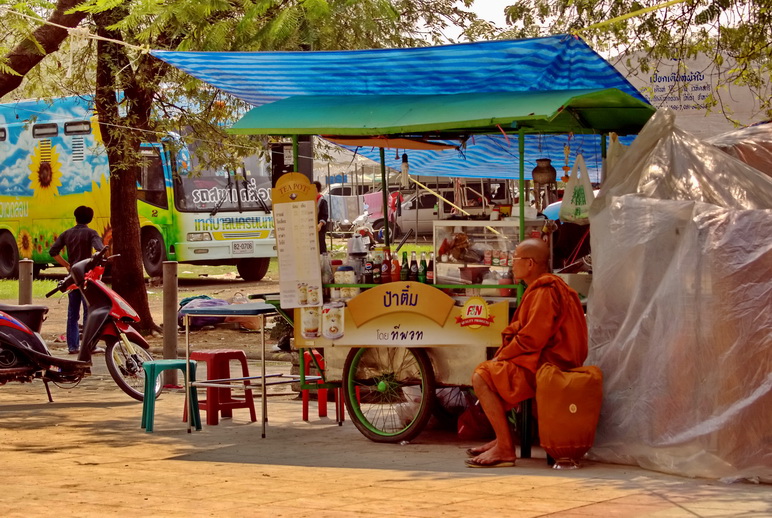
column 396, row 270
column 326, row 275
column 404, row 270
column 377, row 269
column 386, row 266
column 505, row 278
column 422, row 268
column 430, row 269
column 368, row 274
column 413, row 275
column 490, row 278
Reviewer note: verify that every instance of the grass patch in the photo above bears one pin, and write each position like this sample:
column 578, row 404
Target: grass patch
column 9, row 288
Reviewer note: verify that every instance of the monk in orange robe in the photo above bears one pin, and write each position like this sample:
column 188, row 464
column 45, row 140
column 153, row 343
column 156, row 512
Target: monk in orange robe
column 548, row 326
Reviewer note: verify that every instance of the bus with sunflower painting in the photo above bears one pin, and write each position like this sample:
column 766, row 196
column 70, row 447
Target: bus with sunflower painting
column 53, row 159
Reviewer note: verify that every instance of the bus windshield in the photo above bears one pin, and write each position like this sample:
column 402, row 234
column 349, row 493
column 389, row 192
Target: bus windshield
column 213, row 191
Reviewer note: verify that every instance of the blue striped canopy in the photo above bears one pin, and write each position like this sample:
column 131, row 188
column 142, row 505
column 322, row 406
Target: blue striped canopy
column 496, row 156
column 561, row 62
column 548, row 64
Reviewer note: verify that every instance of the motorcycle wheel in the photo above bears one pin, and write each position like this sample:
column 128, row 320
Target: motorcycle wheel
column 126, row 369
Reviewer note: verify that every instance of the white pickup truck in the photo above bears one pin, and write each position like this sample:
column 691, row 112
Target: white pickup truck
column 419, row 211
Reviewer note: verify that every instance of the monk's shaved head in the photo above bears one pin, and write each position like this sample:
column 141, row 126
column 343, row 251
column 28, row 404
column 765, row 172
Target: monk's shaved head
column 536, row 249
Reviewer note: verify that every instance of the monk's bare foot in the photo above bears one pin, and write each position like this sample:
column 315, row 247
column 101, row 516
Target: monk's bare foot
column 474, row 452
column 495, row 456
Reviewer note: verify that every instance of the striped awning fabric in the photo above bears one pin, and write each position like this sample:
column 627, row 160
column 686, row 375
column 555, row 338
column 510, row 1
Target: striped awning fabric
column 561, row 62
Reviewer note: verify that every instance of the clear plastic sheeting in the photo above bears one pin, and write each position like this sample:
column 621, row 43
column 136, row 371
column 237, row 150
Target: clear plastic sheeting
column 752, row 145
column 680, row 309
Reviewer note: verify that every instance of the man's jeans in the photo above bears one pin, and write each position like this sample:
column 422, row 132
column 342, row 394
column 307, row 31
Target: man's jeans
column 73, row 316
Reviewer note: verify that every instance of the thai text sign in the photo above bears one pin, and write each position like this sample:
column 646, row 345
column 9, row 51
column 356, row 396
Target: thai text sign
column 413, row 314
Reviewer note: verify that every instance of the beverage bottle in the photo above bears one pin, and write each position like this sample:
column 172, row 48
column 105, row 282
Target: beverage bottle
column 396, row 271
column 430, row 269
column 422, row 268
column 506, row 278
column 326, row 274
column 386, row 266
column 404, row 271
column 413, row 275
column 377, row 269
column 368, row 275
column 326, row 269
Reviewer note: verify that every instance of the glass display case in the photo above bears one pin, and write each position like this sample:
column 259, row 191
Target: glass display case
column 479, row 251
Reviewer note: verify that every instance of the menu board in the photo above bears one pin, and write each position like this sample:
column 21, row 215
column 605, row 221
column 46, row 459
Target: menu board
column 294, row 218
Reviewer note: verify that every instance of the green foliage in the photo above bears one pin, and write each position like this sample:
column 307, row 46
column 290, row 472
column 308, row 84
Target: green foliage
column 183, row 104
column 734, row 34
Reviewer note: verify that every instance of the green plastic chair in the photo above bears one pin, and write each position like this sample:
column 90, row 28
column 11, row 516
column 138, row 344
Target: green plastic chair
column 153, row 369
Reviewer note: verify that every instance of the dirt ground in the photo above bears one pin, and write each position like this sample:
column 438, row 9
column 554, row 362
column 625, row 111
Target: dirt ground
column 224, row 335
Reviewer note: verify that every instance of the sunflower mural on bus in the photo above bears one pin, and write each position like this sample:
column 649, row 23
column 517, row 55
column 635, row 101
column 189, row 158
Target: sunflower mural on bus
column 106, row 233
column 24, row 242
column 46, row 176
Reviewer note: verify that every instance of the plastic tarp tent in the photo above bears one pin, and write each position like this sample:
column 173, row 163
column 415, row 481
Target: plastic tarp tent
column 752, row 145
column 679, row 309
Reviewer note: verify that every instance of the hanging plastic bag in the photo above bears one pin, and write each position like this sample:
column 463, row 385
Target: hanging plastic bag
column 616, row 150
column 575, row 207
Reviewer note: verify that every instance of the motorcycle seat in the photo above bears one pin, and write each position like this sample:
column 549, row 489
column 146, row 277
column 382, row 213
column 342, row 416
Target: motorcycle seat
column 30, row 315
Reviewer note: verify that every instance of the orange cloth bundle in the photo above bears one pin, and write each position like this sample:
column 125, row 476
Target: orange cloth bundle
column 568, row 407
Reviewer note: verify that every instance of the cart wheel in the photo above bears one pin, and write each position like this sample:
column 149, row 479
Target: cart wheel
column 389, row 392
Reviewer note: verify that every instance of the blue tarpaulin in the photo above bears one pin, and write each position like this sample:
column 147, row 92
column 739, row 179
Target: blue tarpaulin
column 496, row 156
column 550, row 64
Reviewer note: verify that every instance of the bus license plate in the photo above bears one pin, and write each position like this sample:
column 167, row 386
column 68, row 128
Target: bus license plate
column 243, row 247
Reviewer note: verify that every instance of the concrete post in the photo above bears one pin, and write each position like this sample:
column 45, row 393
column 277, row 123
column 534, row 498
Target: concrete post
column 25, row 281
column 170, row 318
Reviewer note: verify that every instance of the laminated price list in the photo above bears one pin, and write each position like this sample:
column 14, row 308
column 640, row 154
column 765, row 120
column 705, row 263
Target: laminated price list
column 296, row 239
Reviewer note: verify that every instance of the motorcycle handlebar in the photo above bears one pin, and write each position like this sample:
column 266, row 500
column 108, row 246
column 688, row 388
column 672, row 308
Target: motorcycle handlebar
column 50, row 293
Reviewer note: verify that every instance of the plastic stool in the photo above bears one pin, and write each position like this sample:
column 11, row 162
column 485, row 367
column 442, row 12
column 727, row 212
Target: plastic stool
column 153, row 369
column 219, row 401
column 308, row 359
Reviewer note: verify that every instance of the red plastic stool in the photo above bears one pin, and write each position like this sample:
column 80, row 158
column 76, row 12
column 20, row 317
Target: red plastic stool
column 219, row 401
column 308, row 361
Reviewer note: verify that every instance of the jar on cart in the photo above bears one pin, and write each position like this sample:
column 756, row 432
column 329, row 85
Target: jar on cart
column 345, row 275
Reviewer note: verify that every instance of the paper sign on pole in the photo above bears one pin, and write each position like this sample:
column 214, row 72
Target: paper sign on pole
column 294, row 217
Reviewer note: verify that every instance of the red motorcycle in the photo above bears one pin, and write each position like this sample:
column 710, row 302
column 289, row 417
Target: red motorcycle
column 25, row 356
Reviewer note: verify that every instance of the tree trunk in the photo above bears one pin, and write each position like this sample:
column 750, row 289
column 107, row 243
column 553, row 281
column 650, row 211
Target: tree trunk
column 26, row 55
column 123, row 155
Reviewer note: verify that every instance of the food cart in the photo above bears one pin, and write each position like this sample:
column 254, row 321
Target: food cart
column 393, row 344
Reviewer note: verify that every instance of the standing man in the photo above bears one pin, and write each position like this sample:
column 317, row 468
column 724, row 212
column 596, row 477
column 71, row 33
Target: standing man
column 549, row 326
column 79, row 240
column 322, row 215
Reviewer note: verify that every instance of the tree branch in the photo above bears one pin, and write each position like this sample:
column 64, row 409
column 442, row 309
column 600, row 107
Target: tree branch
column 27, row 54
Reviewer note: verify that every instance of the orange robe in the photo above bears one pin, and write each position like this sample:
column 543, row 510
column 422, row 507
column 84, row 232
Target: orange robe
column 548, row 326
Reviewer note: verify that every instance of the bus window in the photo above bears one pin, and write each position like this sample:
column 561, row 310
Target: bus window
column 45, row 130
column 77, row 128
column 209, row 190
column 151, row 187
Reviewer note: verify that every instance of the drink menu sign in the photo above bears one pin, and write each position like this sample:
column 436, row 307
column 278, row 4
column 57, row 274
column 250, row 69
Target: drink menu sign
column 294, row 218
